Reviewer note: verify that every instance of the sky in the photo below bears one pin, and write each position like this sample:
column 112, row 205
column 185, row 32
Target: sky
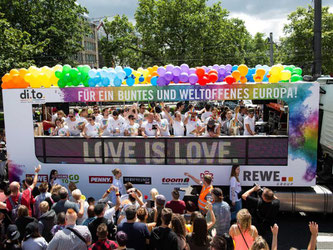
column 263, row 16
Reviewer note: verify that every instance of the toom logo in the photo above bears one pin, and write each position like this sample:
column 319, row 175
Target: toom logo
column 206, row 173
column 41, row 177
column 31, row 94
column 100, row 179
column 175, row 181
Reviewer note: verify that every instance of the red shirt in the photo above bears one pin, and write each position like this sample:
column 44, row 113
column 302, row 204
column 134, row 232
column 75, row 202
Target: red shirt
column 26, row 198
column 177, row 207
column 103, row 244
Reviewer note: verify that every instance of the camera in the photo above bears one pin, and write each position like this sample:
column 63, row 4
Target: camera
column 154, row 126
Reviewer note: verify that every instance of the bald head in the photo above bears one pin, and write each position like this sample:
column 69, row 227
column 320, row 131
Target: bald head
column 71, row 217
column 14, row 187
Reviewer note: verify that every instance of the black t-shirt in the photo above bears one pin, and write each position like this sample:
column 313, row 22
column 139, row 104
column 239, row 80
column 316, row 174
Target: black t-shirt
column 22, row 222
column 263, row 212
column 163, row 239
column 95, row 223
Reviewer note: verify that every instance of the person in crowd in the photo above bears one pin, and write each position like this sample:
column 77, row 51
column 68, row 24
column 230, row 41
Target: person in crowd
column 117, row 182
column 96, row 113
column 103, row 242
column 117, row 124
column 132, row 128
column 150, row 127
column 23, row 219
column 92, row 129
column 163, row 124
column 17, row 198
column 176, row 205
column 32, row 239
column 137, row 233
column 206, row 112
column 241, row 117
column 53, row 178
column 59, row 115
column 73, row 124
column 218, row 243
column 235, row 190
column 221, row 211
column 265, row 209
column 212, row 129
column 199, row 238
column 191, row 207
column 180, row 106
column 249, row 128
column 153, row 193
column 163, row 237
column 314, row 233
column 72, row 236
column 4, row 190
column 71, row 186
column 4, row 223
column 91, row 201
column 43, row 188
column 82, row 119
column 77, row 196
column 193, row 124
column 243, row 232
column 121, row 238
column 54, row 195
column 61, row 129
column 156, row 213
column 207, row 186
column 46, row 220
column 63, row 204
column 226, row 126
column 215, row 116
column 224, row 111
column 177, row 124
column 104, row 122
column 142, row 109
column 91, row 215
column 260, row 244
column 142, row 216
column 12, row 241
column 61, row 223
column 178, row 226
column 99, row 212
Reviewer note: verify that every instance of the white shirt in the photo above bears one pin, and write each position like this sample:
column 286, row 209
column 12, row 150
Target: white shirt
column 235, row 189
column 205, row 115
column 73, row 127
column 164, row 124
column 54, row 117
column 98, row 118
column 105, row 122
column 249, row 121
column 178, row 128
column 120, row 124
column 149, row 131
column 62, row 131
column 80, row 221
column 165, row 116
column 132, row 129
column 82, row 121
column 92, row 130
column 192, row 125
column 218, row 120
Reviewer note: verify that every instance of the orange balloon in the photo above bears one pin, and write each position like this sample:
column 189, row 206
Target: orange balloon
column 236, row 74
column 7, row 77
column 154, row 74
column 23, row 72
column 243, row 79
column 261, row 72
column 148, row 78
column 13, row 72
column 200, row 72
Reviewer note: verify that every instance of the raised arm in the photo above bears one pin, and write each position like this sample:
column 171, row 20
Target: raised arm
column 34, row 183
column 212, row 215
column 275, row 230
column 313, row 226
column 193, row 178
column 250, row 191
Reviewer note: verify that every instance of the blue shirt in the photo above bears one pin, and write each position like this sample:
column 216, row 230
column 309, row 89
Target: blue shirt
column 222, row 214
column 137, row 234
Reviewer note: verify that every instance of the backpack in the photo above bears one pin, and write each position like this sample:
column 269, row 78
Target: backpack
column 15, row 206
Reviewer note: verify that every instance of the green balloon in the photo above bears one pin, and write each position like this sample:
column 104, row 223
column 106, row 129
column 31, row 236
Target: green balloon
column 289, row 68
column 297, row 71
column 67, row 78
column 85, row 82
column 58, row 74
column 86, row 69
column 66, row 68
column 73, row 72
column 296, row 78
column 61, row 83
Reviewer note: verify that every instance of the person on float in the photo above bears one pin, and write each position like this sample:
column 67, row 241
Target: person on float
column 132, row 127
column 92, row 129
column 249, row 128
column 104, row 122
column 150, row 127
column 61, row 129
column 193, row 124
column 175, row 122
column 117, row 124
column 72, row 123
column 235, row 191
column 213, row 129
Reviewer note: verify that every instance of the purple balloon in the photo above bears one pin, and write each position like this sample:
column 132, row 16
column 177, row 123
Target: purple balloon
column 191, row 71
column 221, row 78
column 205, row 68
column 228, row 67
column 161, row 81
column 168, row 76
column 185, row 68
column 216, row 67
column 169, row 67
column 183, row 77
column 221, row 70
column 176, row 79
column 193, row 78
column 161, row 71
column 176, row 71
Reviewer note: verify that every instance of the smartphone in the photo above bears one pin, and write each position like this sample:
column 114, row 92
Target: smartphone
column 154, row 127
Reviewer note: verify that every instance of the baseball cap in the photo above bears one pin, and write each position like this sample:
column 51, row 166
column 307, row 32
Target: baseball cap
column 31, row 228
column 160, row 199
column 12, row 232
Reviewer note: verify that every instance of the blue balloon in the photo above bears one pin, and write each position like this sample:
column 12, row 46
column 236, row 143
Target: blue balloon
column 235, row 67
column 130, row 81
column 128, row 71
column 91, row 82
column 105, row 82
column 92, row 73
column 121, row 74
column 153, row 81
column 117, row 82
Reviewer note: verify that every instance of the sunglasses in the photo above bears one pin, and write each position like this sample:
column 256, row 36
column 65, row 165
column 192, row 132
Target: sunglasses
column 71, row 116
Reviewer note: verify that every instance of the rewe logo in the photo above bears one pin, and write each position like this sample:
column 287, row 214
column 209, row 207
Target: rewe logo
column 41, row 177
column 31, row 94
column 175, row 181
column 261, row 176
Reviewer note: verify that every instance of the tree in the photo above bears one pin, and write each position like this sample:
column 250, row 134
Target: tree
column 58, row 24
column 258, row 51
column 297, row 45
column 120, row 46
column 16, row 50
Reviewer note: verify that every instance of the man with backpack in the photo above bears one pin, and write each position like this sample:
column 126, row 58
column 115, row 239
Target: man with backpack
column 17, row 198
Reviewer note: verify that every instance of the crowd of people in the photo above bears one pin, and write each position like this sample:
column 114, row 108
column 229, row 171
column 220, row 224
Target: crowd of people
column 155, row 119
column 52, row 216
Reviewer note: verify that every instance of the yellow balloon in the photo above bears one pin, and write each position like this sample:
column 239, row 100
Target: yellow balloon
column 136, row 81
column 155, row 67
column 273, row 79
column 243, row 69
column 57, row 67
column 261, row 72
column 285, row 75
column 276, row 69
column 257, row 78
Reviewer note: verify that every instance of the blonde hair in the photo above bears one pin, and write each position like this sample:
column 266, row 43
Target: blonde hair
column 244, row 219
column 115, row 171
column 153, row 192
column 76, row 194
column 260, row 244
column 55, row 189
column 44, row 207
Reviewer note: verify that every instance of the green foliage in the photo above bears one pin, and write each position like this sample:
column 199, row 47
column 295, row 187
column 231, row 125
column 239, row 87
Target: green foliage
column 58, row 25
column 258, row 51
column 297, row 45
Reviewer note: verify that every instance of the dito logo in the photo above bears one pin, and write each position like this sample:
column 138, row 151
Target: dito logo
column 100, row 179
column 206, row 173
column 41, row 177
column 175, row 181
column 31, row 94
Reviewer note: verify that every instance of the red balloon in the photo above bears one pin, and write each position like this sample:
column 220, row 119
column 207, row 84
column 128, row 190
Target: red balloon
column 200, row 72
column 213, row 77
column 212, row 71
column 230, row 79
column 203, row 81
